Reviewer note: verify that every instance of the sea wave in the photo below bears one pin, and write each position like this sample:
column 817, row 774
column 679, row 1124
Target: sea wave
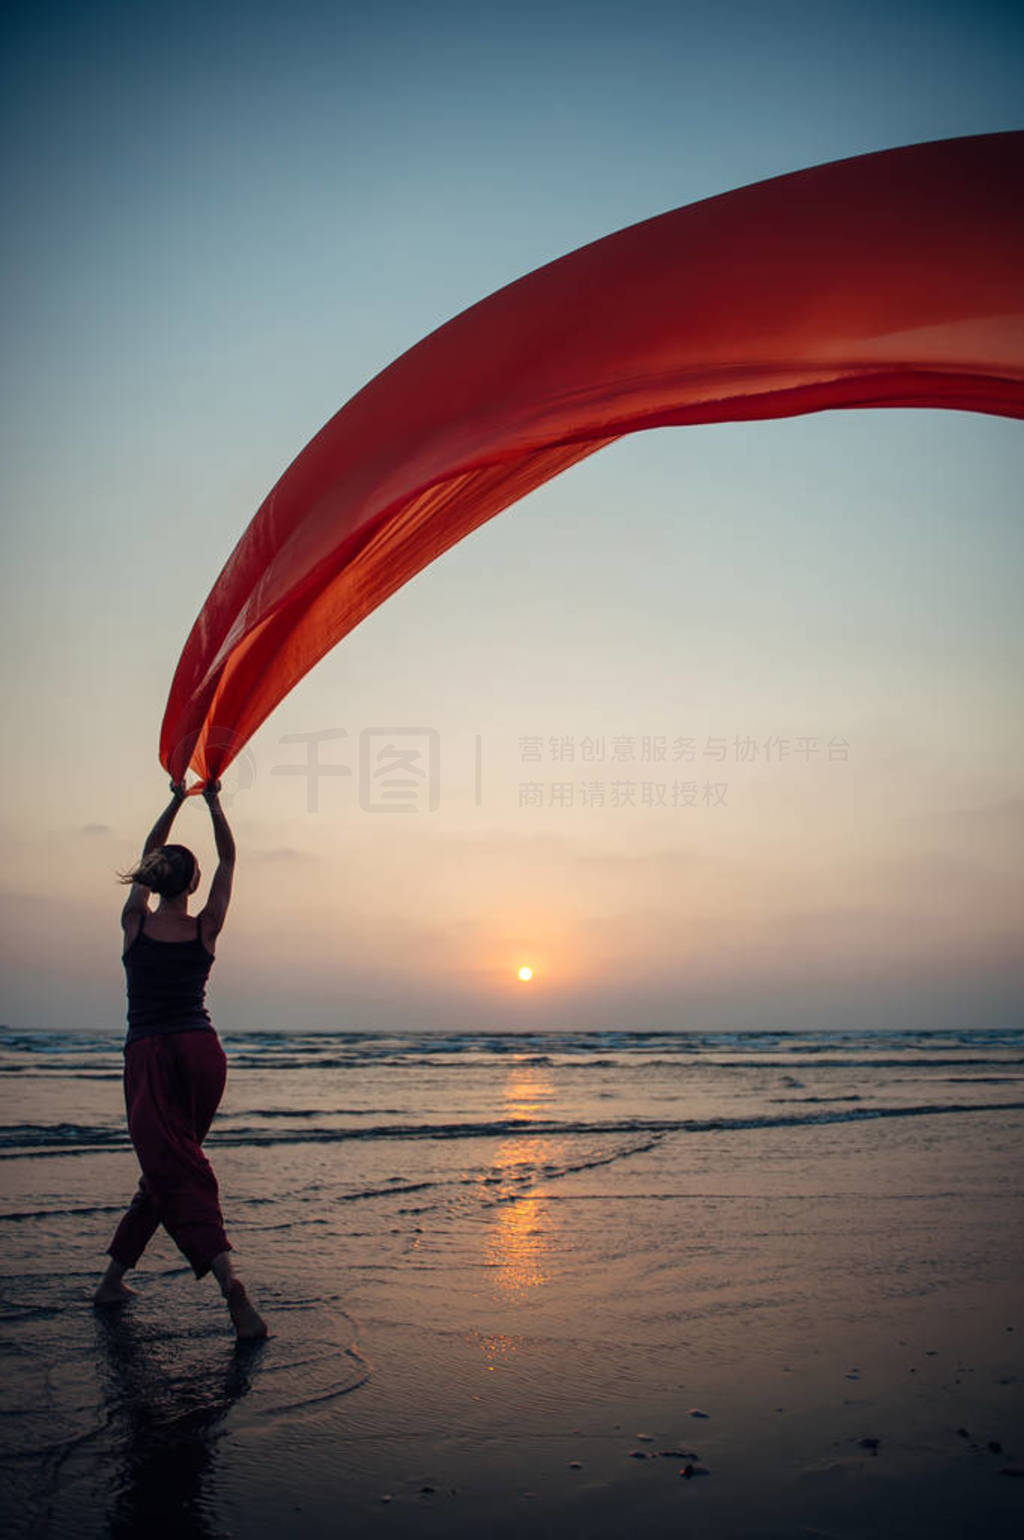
column 342, row 1048
column 68, row 1138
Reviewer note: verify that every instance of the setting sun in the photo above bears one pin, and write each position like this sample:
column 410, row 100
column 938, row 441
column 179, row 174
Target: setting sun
column 525, row 974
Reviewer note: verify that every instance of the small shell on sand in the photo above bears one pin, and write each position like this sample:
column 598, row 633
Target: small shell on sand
column 575, row 1465
column 695, row 1411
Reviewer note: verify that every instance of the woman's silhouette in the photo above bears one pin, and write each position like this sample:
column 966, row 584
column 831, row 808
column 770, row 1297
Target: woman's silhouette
column 174, row 1065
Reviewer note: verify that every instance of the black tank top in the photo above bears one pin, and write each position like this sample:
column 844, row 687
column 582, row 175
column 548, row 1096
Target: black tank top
column 166, row 985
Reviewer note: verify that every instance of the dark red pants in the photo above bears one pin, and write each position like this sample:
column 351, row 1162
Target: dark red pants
column 172, row 1087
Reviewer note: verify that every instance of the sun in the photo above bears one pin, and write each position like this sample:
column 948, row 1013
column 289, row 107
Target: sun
column 525, row 973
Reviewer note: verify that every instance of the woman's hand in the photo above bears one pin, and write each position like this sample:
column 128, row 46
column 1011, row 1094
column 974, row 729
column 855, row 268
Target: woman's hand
column 178, row 790
column 211, row 791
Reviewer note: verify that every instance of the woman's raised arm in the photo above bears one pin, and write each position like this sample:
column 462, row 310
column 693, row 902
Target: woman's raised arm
column 220, row 889
column 157, row 835
column 137, row 901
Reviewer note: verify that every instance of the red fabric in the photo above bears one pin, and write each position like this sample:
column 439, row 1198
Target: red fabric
column 892, row 279
column 173, row 1084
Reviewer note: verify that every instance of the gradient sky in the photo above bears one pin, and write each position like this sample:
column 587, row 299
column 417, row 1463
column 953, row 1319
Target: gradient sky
column 220, row 221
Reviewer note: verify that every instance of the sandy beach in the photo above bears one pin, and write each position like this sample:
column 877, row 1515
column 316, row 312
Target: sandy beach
column 762, row 1288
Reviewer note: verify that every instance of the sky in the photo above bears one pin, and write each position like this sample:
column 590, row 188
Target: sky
column 722, row 728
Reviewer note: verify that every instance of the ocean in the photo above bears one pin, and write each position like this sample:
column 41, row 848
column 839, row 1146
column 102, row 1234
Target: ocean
column 596, row 1092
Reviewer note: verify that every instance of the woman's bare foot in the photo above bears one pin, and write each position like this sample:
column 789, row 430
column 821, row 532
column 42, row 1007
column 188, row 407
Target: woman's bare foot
column 115, row 1294
column 112, row 1288
column 248, row 1323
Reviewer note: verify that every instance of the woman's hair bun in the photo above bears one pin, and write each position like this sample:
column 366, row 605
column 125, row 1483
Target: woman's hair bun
column 168, row 870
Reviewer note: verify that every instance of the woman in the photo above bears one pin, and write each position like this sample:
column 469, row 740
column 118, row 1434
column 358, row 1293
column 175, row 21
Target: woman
column 174, row 1065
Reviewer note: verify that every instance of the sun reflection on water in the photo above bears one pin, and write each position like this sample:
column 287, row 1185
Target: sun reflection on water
column 519, row 1241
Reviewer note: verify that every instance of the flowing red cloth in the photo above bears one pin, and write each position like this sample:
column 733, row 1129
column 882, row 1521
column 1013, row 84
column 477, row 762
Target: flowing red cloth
column 892, row 279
